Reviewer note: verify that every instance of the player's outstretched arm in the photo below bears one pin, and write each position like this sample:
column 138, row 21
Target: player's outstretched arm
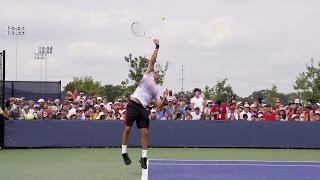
column 153, row 57
column 160, row 102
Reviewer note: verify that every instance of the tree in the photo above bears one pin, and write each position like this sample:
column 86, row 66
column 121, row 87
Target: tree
column 86, row 85
column 272, row 95
column 137, row 68
column 114, row 92
column 308, row 83
column 220, row 91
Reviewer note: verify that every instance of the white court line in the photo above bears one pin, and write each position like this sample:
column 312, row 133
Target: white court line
column 144, row 174
column 183, row 160
column 262, row 165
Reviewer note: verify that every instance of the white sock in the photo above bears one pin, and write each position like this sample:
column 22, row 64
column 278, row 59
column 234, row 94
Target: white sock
column 144, row 153
column 124, row 149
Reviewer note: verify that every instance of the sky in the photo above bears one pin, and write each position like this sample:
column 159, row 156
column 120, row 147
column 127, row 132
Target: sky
column 253, row 43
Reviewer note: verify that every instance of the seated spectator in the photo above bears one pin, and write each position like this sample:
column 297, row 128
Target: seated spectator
column 219, row 111
column 245, row 117
column 170, row 107
column 166, row 116
column 260, row 117
column 72, row 115
column 246, row 111
column 232, row 115
column 27, row 114
column 110, row 116
column 178, row 116
column 207, row 109
column 196, row 114
column 253, row 117
column 188, row 117
column 124, row 114
column 153, row 115
column 296, row 117
column 101, row 116
column 207, row 117
column 269, row 115
column 316, row 115
column 282, row 114
column 170, row 117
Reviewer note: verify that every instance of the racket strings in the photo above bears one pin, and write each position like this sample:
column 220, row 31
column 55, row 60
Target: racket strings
column 138, row 29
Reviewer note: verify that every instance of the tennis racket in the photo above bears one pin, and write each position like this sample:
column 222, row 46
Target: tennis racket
column 138, row 30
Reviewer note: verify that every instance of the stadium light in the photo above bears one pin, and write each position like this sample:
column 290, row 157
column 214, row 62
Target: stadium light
column 43, row 54
column 16, row 31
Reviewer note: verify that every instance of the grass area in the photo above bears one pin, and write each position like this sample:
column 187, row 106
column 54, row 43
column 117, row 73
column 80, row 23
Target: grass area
column 106, row 163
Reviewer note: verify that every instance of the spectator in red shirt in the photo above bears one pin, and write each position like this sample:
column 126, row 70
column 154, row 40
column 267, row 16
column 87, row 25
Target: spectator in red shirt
column 269, row 115
column 219, row 111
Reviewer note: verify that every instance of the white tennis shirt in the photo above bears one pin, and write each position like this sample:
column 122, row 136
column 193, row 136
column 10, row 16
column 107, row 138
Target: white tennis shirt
column 147, row 90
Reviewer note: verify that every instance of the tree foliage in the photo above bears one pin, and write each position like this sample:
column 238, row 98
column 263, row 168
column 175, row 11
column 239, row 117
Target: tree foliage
column 308, row 83
column 114, row 92
column 85, row 84
column 221, row 90
column 137, row 68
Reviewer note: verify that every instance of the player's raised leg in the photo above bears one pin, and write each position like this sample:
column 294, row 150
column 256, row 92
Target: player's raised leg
column 125, row 137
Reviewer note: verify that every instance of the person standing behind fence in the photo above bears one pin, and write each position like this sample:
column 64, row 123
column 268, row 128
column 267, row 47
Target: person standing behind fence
column 144, row 94
column 197, row 100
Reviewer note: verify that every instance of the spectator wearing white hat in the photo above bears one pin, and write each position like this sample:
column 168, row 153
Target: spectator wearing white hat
column 153, row 115
column 246, row 111
column 296, row 117
column 101, row 116
column 208, row 107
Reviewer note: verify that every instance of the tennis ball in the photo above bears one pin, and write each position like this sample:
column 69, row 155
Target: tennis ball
column 163, row 18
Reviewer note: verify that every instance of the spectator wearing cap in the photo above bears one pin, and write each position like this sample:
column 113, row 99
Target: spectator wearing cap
column 219, row 111
column 153, row 115
column 196, row 114
column 171, row 96
column 260, row 117
column 170, row 107
column 117, row 111
column 207, row 109
column 101, row 116
column 296, row 117
column 282, row 114
column 269, row 115
column 197, row 100
column 316, row 115
column 246, row 111
column 72, row 115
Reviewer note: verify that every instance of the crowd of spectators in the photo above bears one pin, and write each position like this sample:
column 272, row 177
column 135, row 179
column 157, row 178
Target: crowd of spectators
column 77, row 105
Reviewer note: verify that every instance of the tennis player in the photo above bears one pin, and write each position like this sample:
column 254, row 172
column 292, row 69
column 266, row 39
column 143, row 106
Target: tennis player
column 145, row 93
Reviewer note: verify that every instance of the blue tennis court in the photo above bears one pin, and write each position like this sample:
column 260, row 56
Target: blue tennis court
column 237, row 170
